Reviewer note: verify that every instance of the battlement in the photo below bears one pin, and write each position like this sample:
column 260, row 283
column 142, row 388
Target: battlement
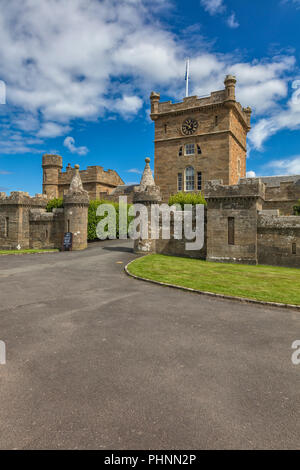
column 95, row 174
column 225, row 98
column 246, row 188
column 281, row 192
column 191, row 102
column 22, row 198
column 52, row 161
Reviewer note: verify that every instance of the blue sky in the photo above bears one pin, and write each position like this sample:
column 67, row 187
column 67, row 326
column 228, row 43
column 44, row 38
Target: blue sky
column 78, row 76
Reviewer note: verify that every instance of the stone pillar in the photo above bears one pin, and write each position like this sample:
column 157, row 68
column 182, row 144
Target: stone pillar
column 76, row 203
column 52, row 165
column 147, row 193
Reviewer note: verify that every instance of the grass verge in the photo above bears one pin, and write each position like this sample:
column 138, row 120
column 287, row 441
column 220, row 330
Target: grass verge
column 264, row 283
column 24, row 252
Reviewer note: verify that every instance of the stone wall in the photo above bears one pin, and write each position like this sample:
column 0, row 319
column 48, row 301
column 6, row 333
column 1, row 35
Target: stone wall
column 15, row 218
column 278, row 240
column 238, row 230
column 176, row 247
column 46, row 228
column 24, row 222
column 281, row 193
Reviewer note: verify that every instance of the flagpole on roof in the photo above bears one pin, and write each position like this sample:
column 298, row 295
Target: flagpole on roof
column 187, row 76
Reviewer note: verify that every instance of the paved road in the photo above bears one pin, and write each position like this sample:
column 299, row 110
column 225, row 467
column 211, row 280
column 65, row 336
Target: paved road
column 96, row 359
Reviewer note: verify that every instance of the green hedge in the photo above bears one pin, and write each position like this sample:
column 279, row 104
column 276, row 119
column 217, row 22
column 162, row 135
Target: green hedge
column 187, row 198
column 93, row 220
column 297, row 208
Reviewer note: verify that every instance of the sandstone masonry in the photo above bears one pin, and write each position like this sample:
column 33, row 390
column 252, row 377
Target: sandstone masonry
column 96, row 181
column 24, row 222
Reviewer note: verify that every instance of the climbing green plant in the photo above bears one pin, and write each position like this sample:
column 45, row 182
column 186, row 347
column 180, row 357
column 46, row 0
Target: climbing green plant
column 297, row 208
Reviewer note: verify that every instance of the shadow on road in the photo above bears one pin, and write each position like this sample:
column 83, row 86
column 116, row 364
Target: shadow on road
column 123, row 249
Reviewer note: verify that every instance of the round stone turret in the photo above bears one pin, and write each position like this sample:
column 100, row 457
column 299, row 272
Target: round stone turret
column 52, row 165
column 76, row 203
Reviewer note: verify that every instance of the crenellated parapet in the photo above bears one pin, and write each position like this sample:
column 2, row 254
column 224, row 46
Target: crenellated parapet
column 246, row 188
column 21, row 198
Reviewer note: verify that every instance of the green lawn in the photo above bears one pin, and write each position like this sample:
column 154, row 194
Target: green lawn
column 24, row 252
column 266, row 283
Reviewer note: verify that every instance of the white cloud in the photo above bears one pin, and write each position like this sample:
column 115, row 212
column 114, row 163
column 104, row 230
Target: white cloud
column 213, row 6
column 287, row 118
column 135, row 170
column 127, row 105
column 232, row 21
column 69, row 143
column 64, row 60
column 295, row 2
column 287, row 166
column 51, row 129
column 250, row 174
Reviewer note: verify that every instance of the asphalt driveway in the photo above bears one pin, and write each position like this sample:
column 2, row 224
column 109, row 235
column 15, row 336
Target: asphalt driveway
column 98, row 360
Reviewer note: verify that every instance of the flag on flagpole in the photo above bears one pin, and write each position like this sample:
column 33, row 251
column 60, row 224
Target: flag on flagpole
column 187, row 73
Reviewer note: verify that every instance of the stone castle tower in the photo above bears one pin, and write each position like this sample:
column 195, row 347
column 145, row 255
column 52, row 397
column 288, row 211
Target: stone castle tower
column 98, row 182
column 200, row 139
column 52, row 166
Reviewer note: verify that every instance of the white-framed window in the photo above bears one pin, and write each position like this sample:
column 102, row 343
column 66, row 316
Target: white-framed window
column 179, row 182
column 189, row 178
column 189, row 149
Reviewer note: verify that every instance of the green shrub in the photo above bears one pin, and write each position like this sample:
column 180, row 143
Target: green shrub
column 187, row 198
column 56, row 203
column 297, row 208
column 93, row 219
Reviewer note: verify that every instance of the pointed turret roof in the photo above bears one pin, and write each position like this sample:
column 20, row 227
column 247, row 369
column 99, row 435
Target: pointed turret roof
column 76, row 183
column 147, row 178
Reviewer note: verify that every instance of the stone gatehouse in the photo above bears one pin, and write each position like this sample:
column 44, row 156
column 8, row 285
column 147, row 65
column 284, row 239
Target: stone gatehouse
column 24, row 222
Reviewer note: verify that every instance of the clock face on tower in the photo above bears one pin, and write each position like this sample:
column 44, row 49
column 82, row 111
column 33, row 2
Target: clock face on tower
column 189, row 126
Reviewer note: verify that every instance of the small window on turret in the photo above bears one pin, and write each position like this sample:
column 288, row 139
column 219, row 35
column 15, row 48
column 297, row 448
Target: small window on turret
column 180, row 152
column 166, row 128
column 6, row 228
column 199, row 151
column 216, row 120
column 294, row 249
